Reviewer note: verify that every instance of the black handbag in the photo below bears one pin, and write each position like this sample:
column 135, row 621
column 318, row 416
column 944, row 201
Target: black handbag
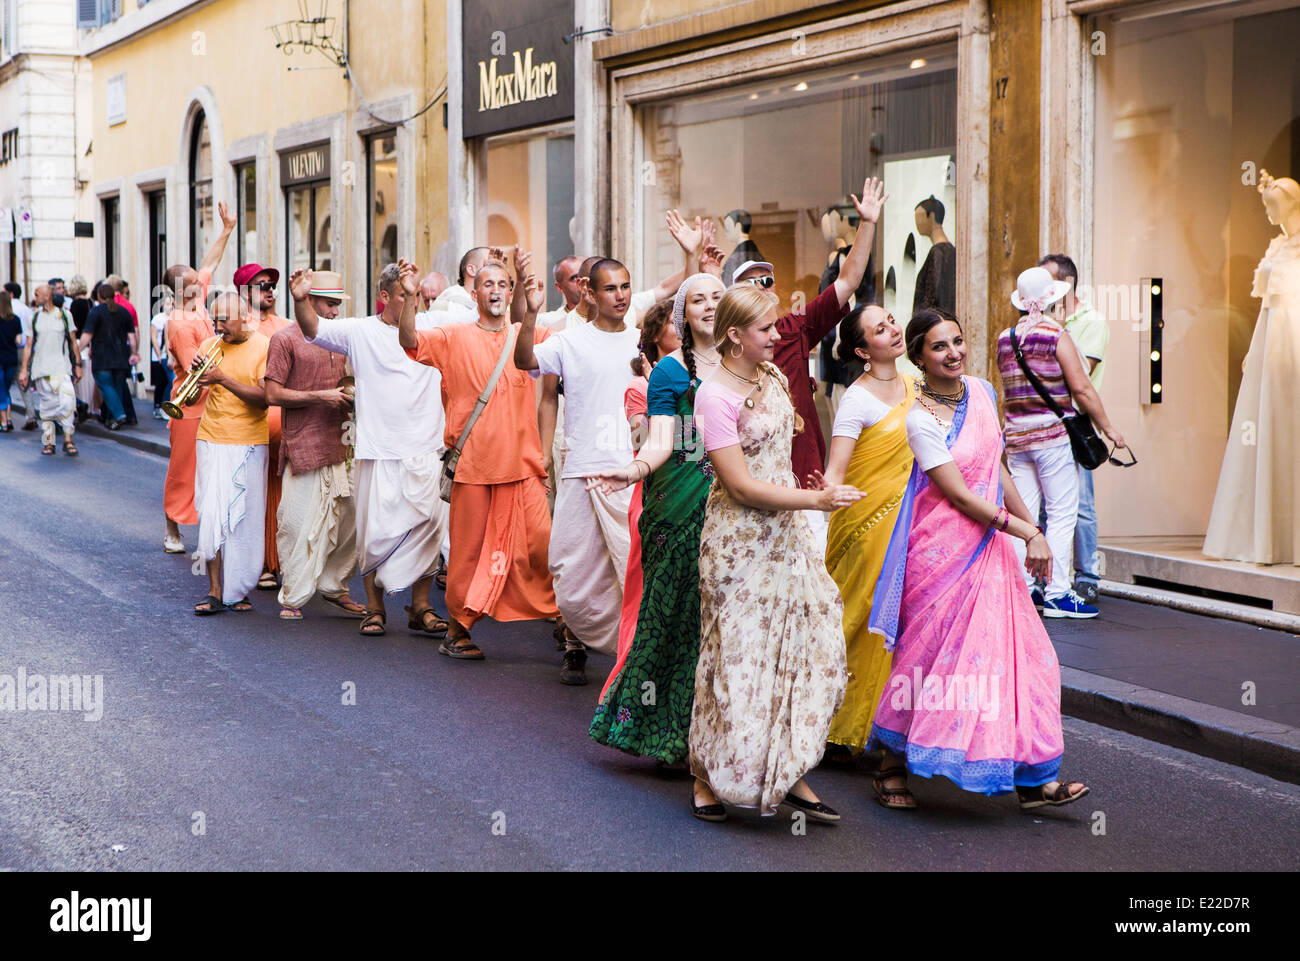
column 1089, row 450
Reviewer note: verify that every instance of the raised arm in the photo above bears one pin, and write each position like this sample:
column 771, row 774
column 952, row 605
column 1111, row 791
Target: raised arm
column 303, row 311
column 523, row 274
column 213, row 257
column 534, row 296
column 855, row 264
column 408, row 278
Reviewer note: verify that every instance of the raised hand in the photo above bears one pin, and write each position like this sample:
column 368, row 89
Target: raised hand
column 873, row 200
column 841, row 495
column 497, row 255
column 689, row 237
column 227, row 218
column 535, row 292
column 713, row 259
column 299, row 284
column 407, row 274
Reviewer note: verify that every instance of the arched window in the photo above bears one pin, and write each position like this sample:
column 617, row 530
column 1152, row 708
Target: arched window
column 201, row 224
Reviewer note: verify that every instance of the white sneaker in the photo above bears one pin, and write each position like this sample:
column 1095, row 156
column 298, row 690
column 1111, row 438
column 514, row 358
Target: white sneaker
column 173, row 545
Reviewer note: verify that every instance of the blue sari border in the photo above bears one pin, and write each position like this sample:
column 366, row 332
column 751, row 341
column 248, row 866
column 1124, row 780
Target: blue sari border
column 988, row 777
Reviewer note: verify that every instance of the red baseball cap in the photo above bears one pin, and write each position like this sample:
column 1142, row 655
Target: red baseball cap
column 245, row 274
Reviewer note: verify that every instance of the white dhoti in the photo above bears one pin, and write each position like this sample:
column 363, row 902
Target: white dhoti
column 230, row 497
column 317, row 533
column 56, row 401
column 86, row 386
column 401, row 519
column 589, row 548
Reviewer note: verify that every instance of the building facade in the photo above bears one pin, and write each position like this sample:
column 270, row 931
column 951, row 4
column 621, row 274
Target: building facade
column 44, row 144
column 319, row 125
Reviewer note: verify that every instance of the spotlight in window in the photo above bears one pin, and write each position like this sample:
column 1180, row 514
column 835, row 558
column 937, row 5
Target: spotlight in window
column 801, row 86
column 856, row 76
column 1151, row 342
column 917, row 64
column 753, row 96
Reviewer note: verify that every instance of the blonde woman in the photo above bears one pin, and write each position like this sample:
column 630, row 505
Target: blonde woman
column 771, row 671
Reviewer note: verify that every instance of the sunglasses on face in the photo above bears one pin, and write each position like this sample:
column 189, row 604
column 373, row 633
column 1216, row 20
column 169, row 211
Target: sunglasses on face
column 767, row 281
column 1119, row 463
column 266, row 287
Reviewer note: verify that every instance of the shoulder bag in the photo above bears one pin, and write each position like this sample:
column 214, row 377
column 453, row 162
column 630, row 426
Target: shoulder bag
column 1089, row 450
column 451, row 457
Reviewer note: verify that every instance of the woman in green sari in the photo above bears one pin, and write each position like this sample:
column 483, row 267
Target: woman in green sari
column 646, row 709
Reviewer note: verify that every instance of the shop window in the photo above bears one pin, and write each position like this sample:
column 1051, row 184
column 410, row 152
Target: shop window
column 528, row 198
column 1190, row 108
column 381, row 223
column 309, row 227
column 156, row 202
column 201, row 224
column 773, row 165
column 246, row 212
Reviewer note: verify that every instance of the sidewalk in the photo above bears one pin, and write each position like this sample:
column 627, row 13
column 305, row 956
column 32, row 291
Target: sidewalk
column 1165, row 674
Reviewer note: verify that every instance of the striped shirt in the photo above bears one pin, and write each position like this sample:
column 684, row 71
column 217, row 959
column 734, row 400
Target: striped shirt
column 1030, row 423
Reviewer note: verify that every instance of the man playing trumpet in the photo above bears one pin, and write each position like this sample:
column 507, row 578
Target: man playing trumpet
column 230, row 479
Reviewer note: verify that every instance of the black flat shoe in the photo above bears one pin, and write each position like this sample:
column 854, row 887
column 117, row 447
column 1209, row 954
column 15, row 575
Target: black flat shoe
column 814, row 809
column 708, row 812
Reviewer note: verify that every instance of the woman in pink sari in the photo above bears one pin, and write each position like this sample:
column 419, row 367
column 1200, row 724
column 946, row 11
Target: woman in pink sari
column 974, row 693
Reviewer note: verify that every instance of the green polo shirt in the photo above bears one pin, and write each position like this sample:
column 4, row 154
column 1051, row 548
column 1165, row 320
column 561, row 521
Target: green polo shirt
column 1088, row 328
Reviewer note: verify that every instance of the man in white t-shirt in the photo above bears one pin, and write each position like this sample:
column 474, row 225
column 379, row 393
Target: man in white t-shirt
column 589, row 535
column 401, row 517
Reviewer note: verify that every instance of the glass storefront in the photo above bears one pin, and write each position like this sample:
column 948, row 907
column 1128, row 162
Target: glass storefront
column 1189, row 108
column 202, row 231
column 527, row 197
column 773, row 165
column 305, row 174
column 246, row 212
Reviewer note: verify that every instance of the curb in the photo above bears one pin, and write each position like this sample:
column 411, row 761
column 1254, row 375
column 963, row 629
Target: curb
column 1205, row 606
column 96, row 429
column 1267, row 747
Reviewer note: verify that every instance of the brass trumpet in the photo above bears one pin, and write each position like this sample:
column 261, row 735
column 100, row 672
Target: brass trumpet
column 189, row 390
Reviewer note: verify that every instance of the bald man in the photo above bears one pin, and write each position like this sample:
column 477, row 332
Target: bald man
column 431, row 286
column 456, row 300
column 231, row 459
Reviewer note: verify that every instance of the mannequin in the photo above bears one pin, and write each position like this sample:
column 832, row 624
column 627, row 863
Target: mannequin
column 936, row 281
column 736, row 225
column 1255, row 517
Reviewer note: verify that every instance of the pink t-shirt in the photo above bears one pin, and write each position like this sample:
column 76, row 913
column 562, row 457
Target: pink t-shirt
column 717, row 410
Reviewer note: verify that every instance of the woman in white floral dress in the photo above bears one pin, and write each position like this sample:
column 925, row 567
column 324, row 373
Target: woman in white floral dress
column 771, row 673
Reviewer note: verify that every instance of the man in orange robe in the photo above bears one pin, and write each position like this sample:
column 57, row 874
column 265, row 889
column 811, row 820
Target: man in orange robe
column 256, row 285
column 187, row 328
column 500, row 522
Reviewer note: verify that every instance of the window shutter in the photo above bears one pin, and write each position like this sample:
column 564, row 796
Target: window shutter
column 87, row 14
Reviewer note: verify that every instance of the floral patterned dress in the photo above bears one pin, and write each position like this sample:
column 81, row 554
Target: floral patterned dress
column 771, row 671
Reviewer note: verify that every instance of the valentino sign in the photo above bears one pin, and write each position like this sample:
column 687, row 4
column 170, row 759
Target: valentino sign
column 518, row 69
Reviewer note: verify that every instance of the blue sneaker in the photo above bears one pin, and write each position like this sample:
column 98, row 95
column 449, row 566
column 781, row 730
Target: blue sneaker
column 1037, row 595
column 1071, row 605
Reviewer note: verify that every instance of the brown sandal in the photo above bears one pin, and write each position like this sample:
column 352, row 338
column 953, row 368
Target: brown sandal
column 1040, row 798
column 374, row 619
column 461, row 648
column 419, row 621
column 885, row 795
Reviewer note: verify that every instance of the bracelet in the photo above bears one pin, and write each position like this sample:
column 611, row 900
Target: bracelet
column 1039, row 532
column 638, row 460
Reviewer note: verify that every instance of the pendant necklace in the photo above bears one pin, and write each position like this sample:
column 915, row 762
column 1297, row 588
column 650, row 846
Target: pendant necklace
column 948, row 400
column 749, row 400
column 490, row 330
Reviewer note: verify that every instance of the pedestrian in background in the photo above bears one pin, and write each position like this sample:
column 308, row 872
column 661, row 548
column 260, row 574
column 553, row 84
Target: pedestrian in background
column 11, row 335
column 79, row 305
column 1039, row 455
column 1087, row 326
column 51, row 365
column 112, row 342
column 24, row 315
column 160, row 367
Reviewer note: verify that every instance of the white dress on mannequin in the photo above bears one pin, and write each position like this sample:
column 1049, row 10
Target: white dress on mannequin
column 1255, row 515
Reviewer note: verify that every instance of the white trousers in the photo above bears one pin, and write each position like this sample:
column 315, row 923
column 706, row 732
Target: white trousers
column 230, row 496
column 1049, row 476
column 588, row 559
column 401, row 519
column 316, row 534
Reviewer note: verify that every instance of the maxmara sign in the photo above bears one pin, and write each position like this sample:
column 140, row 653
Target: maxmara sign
column 518, row 69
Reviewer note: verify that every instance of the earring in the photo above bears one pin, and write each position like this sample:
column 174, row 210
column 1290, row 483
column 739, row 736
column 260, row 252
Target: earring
column 736, row 351
column 867, row 366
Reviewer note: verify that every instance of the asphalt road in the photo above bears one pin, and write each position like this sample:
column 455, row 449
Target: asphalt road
column 236, row 723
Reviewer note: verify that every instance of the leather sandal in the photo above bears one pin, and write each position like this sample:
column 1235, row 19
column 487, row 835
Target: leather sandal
column 419, row 621
column 461, row 648
column 372, row 620
column 885, row 795
column 1040, row 798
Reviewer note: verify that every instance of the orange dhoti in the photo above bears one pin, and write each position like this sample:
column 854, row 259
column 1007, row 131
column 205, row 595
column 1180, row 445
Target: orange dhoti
column 178, row 489
column 500, row 534
column 271, row 557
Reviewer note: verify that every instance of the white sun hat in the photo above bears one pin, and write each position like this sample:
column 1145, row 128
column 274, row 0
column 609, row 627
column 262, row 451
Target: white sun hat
column 1036, row 290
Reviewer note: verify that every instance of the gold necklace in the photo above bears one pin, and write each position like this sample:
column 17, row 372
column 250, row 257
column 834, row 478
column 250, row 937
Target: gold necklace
column 755, row 382
column 883, row 380
column 490, row 330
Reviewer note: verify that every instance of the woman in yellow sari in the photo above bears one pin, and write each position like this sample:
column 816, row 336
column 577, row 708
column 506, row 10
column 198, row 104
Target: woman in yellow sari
column 869, row 451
